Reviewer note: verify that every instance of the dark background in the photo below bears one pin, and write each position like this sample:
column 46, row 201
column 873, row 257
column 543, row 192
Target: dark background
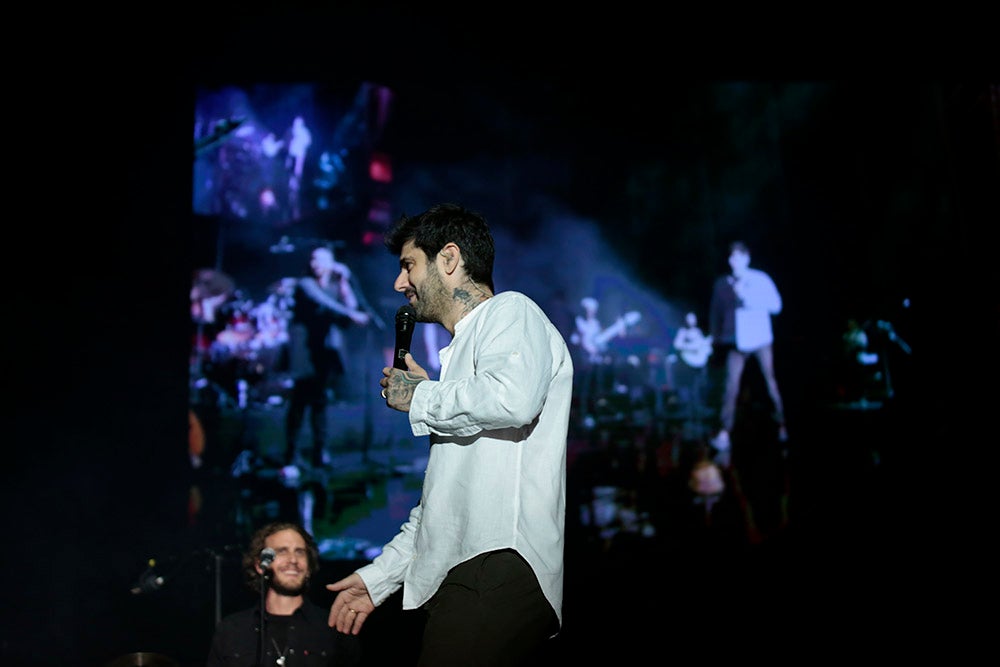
column 860, row 189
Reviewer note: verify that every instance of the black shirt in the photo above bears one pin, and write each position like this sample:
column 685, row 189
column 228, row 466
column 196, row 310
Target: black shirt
column 722, row 312
column 304, row 638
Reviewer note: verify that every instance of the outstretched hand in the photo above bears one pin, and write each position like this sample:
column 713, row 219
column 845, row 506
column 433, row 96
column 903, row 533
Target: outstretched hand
column 352, row 605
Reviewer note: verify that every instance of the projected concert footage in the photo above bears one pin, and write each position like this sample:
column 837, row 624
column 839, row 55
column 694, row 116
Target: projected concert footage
column 282, row 172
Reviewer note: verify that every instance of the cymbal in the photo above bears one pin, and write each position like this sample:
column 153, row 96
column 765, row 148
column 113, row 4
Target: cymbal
column 143, row 659
column 209, row 282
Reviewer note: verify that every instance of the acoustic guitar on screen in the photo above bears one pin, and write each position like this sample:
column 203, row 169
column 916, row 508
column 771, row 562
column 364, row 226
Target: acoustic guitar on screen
column 696, row 353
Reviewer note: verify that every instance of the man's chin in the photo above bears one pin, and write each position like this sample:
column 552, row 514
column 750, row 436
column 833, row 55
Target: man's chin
column 297, row 587
column 418, row 311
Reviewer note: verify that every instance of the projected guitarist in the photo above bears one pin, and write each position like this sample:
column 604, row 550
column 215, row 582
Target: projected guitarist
column 592, row 338
column 692, row 344
column 694, row 349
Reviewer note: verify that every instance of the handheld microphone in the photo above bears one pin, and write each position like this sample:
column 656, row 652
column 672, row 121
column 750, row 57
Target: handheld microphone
column 266, row 558
column 406, row 317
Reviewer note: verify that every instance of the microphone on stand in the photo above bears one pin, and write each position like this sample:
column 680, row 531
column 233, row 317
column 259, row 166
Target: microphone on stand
column 892, row 335
column 406, row 317
column 267, row 557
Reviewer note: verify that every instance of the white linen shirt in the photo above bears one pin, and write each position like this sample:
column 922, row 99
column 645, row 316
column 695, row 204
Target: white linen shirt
column 761, row 300
column 496, row 473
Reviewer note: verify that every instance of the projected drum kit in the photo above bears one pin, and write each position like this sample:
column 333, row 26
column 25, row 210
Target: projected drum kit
column 249, row 345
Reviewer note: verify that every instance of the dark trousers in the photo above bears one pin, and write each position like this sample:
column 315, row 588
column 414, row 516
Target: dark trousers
column 309, row 392
column 735, row 364
column 316, row 369
column 488, row 612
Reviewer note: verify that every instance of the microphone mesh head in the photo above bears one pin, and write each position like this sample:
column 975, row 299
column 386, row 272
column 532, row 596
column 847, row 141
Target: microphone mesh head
column 406, row 314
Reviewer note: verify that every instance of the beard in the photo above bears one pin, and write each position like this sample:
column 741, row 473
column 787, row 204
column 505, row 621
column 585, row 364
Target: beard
column 289, row 591
column 432, row 298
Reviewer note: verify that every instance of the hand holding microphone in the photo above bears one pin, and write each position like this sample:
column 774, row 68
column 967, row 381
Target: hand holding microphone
column 403, row 383
column 341, row 270
column 739, row 285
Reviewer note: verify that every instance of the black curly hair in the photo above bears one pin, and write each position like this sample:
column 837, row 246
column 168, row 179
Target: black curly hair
column 448, row 223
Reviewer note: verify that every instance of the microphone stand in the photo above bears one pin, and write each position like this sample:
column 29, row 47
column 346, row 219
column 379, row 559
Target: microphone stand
column 890, row 333
column 150, row 581
column 365, row 305
column 263, row 603
column 369, row 427
column 380, row 324
column 218, row 587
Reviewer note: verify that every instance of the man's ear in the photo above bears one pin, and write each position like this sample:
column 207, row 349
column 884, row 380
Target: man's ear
column 450, row 257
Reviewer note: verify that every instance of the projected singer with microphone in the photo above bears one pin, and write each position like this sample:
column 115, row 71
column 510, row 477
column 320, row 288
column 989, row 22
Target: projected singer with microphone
column 743, row 303
column 482, row 552
column 325, row 304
